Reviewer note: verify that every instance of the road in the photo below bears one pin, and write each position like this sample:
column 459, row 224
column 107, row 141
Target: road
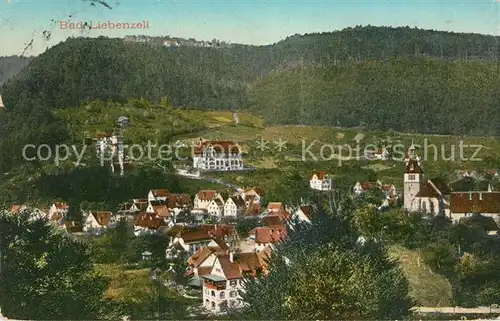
column 456, row 310
column 210, row 179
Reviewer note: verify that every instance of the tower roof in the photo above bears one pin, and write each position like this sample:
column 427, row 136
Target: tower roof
column 413, row 167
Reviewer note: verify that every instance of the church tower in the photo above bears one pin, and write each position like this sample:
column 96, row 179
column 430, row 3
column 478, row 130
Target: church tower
column 413, row 179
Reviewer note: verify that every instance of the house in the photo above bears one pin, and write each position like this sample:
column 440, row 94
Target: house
column 282, row 214
column 275, row 207
column 465, row 204
column 122, row 121
column 234, row 206
column 158, row 195
column 201, row 262
column 304, row 213
column 72, row 227
column 139, row 205
column 192, row 241
column 35, row 213
column 421, row 194
column 147, row 223
column 389, row 190
column 216, row 208
column 252, row 195
column 217, row 155
column 320, row 181
column 98, row 221
column 59, row 208
column 178, row 203
column 254, row 209
column 222, row 286
column 204, row 197
column 2, row 106
column 361, row 187
column 267, row 236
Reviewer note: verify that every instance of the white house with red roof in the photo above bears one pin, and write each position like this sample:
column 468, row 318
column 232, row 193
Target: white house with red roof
column 59, row 208
column 320, row 181
column 158, row 194
column 253, row 195
column 221, row 286
column 217, row 155
column 204, row 197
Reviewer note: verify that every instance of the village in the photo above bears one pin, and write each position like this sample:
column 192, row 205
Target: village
column 202, row 227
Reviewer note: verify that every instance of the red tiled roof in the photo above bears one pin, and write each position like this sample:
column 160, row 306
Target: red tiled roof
column 427, row 190
column 61, row 206
column 219, row 146
column 273, row 221
column 161, row 210
column 460, row 202
column 195, row 236
column 149, row 221
column 366, row 186
column 160, row 192
column 253, row 209
column 220, row 231
column 307, row 210
column 73, row 226
column 178, row 200
column 206, row 195
column 265, row 235
column 102, row 218
column 282, row 214
column 230, row 269
column 321, row 175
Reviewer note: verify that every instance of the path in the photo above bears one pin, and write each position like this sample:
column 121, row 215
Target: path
column 457, row 310
column 209, row 179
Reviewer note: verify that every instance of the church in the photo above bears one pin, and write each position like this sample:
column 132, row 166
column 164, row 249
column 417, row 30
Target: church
column 421, row 194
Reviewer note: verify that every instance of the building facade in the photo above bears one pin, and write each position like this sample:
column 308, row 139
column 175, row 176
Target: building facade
column 217, row 155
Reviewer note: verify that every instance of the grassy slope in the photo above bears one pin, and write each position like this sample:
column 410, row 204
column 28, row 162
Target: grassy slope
column 428, row 288
column 123, row 281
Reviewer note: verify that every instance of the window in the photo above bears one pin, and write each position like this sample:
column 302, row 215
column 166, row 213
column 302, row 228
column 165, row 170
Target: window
column 207, row 292
column 223, row 295
column 411, row 177
column 213, row 305
column 213, row 293
column 232, row 294
column 233, row 283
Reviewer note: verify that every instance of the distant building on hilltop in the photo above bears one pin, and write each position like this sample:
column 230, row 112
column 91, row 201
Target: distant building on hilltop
column 320, row 181
column 217, row 155
column 2, row 106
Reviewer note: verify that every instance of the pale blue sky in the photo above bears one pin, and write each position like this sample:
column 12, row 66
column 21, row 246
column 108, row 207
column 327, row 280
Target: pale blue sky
column 250, row 22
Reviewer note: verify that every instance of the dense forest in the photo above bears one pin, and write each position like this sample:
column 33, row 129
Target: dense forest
column 12, row 65
column 405, row 79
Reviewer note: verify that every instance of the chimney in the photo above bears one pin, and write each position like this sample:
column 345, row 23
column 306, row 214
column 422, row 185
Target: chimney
column 231, row 256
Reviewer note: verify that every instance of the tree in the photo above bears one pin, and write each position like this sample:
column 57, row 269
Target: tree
column 45, row 274
column 322, row 272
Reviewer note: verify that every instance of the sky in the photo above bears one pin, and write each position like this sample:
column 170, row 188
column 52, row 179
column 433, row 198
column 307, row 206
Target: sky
column 249, row 22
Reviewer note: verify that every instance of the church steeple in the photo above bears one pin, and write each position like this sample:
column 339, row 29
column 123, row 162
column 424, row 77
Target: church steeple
column 412, row 160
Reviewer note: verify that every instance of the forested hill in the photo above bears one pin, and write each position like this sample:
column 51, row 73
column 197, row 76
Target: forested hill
column 11, row 66
column 403, row 79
